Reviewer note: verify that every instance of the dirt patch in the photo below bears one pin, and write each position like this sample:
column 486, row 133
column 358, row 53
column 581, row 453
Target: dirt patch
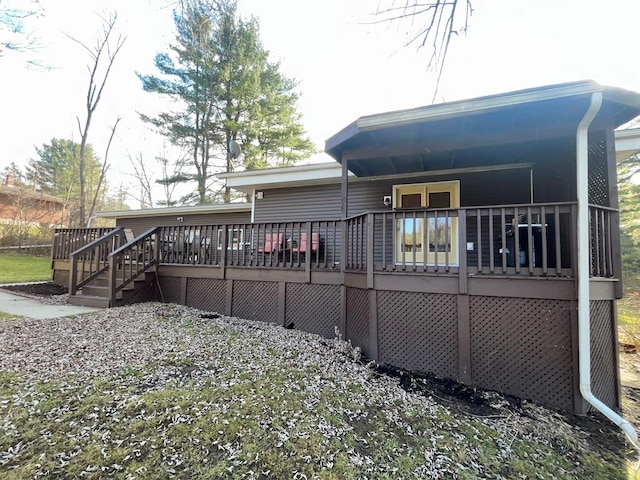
column 473, row 401
column 44, row 289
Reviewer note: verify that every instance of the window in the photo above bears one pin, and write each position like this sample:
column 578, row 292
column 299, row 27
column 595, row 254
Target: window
column 235, row 239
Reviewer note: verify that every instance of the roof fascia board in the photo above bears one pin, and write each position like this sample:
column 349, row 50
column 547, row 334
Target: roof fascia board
column 278, row 170
column 472, row 106
column 187, row 210
column 627, row 143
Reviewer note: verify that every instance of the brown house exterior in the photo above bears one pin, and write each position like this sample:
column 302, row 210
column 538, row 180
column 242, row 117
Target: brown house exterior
column 451, row 240
column 20, row 204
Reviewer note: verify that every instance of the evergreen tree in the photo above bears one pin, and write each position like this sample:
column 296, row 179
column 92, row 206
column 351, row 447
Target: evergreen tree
column 220, row 76
column 629, row 201
column 56, row 172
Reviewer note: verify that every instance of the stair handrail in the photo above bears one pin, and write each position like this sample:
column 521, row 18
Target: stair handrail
column 141, row 253
column 109, row 241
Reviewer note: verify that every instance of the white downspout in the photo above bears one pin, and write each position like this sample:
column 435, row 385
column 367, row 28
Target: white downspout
column 584, row 324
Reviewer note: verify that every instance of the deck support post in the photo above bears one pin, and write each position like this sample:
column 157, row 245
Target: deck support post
column 183, row 290
column 229, row 303
column 343, row 310
column 282, row 303
column 464, row 340
column 373, row 325
column 345, row 213
column 370, row 248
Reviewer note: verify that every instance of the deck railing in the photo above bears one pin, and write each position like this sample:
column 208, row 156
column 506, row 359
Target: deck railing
column 314, row 245
column 601, row 241
column 537, row 240
column 67, row 240
column 131, row 261
column 521, row 240
column 92, row 259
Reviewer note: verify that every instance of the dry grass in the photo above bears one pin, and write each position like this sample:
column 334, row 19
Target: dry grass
column 157, row 391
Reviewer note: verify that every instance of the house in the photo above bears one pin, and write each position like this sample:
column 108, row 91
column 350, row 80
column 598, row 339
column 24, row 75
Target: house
column 21, row 208
column 475, row 240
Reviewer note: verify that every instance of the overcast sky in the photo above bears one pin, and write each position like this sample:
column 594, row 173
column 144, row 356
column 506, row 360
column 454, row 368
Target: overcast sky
column 346, row 67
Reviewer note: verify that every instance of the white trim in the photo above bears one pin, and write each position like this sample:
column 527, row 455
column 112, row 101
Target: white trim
column 451, row 186
column 178, row 211
column 474, row 106
column 627, row 143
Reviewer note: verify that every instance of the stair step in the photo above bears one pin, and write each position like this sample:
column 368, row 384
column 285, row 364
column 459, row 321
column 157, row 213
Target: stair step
column 89, row 301
column 104, row 283
column 99, row 291
column 104, row 278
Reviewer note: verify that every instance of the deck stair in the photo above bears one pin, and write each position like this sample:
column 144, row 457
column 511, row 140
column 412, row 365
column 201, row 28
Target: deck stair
column 114, row 270
column 96, row 293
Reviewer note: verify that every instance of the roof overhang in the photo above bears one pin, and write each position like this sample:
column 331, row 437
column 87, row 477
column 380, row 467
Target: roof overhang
column 627, row 143
column 424, row 138
column 177, row 211
column 297, row 175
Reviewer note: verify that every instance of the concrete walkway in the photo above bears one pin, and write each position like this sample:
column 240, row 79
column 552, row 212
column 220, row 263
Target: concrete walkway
column 27, row 307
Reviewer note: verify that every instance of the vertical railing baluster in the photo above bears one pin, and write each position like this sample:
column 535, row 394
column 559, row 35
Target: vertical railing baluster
column 516, row 248
column 414, row 220
column 403, row 239
column 479, row 238
column 610, row 272
column 447, row 239
column 435, row 240
column 530, row 252
column 543, row 239
column 556, row 219
column 424, row 240
column 384, row 242
column 597, row 238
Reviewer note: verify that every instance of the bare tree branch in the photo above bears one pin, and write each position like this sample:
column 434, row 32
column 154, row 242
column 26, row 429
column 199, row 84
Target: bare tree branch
column 16, row 31
column 144, row 180
column 433, row 25
column 97, row 81
column 105, row 167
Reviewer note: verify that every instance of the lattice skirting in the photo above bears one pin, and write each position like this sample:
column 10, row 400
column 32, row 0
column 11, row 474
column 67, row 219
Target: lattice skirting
column 523, row 347
column 357, row 322
column 207, row 294
column 169, row 289
column 603, row 351
column 418, row 331
column 313, row 308
column 147, row 293
column 255, row 300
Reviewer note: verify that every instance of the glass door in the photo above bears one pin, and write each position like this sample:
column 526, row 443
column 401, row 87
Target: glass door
column 429, row 237
column 410, row 227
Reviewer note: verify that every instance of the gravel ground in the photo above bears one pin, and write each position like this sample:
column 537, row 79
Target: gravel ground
column 80, row 349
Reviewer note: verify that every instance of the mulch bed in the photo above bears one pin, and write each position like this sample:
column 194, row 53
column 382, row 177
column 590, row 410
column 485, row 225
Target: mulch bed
column 45, row 289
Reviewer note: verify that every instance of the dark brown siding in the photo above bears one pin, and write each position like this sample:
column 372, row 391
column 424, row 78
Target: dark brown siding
column 501, row 187
column 316, row 202
column 140, row 225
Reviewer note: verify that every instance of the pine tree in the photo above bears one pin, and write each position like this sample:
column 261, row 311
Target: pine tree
column 220, row 76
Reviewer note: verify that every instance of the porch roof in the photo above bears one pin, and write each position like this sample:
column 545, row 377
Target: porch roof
column 627, row 144
column 425, row 138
